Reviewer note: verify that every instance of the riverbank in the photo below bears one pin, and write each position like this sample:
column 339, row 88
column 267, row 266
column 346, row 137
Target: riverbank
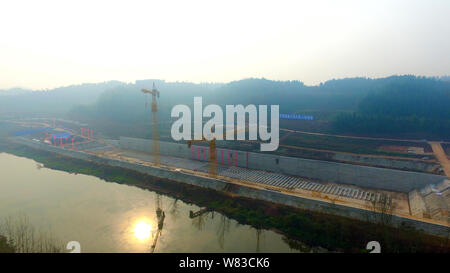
column 312, row 228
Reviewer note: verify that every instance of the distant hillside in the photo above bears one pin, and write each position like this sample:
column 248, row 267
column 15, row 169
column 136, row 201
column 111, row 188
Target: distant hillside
column 58, row 101
column 126, row 101
column 14, row 91
column 395, row 105
column 122, row 108
column 444, row 78
column 404, row 106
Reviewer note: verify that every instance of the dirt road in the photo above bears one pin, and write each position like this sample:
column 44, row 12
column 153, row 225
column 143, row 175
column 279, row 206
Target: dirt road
column 441, row 156
column 355, row 137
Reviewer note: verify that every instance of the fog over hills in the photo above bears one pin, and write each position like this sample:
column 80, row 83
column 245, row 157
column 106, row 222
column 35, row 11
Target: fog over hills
column 409, row 102
column 23, row 102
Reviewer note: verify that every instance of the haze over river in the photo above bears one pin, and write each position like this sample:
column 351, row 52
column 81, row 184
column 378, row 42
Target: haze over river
column 109, row 217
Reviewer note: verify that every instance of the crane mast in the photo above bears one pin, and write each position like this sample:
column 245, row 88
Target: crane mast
column 212, row 149
column 155, row 134
column 212, row 154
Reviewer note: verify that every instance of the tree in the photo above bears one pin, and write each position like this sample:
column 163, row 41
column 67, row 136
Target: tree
column 382, row 209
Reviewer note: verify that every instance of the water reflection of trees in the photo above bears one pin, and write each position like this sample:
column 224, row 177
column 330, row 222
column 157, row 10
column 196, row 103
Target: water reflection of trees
column 222, row 229
column 296, row 245
column 174, row 209
column 259, row 237
column 199, row 218
column 23, row 237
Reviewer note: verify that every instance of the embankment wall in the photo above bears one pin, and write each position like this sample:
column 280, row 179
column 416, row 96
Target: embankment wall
column 364, row 176
column 245, row 191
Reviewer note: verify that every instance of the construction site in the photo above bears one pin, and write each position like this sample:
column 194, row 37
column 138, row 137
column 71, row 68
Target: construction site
column 419, row 199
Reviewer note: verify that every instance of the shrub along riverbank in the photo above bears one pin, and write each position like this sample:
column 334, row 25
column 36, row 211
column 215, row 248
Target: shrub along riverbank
column 311, row 228
column 4, row 246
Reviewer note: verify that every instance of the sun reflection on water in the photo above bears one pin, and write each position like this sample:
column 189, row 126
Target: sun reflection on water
column 142, row 229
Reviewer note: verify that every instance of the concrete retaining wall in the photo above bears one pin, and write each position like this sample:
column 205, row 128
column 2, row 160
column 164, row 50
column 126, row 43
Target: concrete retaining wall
column 364, row 176
column 244, row 191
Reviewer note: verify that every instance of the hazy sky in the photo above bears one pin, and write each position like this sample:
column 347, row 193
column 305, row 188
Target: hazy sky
column 45, row 44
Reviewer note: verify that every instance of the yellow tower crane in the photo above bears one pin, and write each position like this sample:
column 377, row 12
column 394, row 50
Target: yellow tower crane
column 212, row 148
column 212, row 154
column 155, row 133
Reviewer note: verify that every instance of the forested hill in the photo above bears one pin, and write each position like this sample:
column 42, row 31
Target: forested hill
column 391, row 105
column 18, row 102
column 125, row 104
column 407, row 106
column 292, row 96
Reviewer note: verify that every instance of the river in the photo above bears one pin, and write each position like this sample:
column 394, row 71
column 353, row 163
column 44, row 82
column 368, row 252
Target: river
column 109, row 217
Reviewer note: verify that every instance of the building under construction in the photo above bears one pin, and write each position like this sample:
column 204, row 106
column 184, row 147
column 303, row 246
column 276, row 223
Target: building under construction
column 415, row 198
column 349, row 190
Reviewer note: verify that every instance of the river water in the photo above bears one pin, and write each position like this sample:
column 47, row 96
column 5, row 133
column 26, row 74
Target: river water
column 109, row 217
